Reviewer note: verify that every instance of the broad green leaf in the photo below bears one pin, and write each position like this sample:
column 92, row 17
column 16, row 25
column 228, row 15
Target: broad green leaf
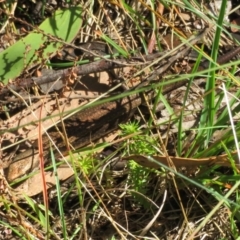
column 36, row 46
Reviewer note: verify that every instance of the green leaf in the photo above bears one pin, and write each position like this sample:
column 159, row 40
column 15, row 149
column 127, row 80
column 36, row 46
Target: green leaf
column 40, row 44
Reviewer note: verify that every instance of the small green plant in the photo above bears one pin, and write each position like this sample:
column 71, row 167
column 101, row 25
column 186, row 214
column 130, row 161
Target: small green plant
column 141, row 143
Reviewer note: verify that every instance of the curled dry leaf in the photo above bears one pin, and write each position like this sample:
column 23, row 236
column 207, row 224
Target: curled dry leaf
column 145, row 161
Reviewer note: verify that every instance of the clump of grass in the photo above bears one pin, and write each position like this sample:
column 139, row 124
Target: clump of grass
column 208, row 193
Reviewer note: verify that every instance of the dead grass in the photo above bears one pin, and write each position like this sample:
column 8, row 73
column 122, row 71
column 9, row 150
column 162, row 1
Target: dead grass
column 96, row 193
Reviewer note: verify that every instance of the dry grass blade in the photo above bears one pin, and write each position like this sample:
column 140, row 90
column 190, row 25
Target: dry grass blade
column 127, row 54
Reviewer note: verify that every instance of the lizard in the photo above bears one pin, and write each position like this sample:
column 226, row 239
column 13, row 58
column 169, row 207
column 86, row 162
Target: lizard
column 93, row 123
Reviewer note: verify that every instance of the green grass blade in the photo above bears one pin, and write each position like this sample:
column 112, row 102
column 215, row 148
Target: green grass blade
column 114, row 45
column 209, row 111
column 180, row 123
column 59, row 197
